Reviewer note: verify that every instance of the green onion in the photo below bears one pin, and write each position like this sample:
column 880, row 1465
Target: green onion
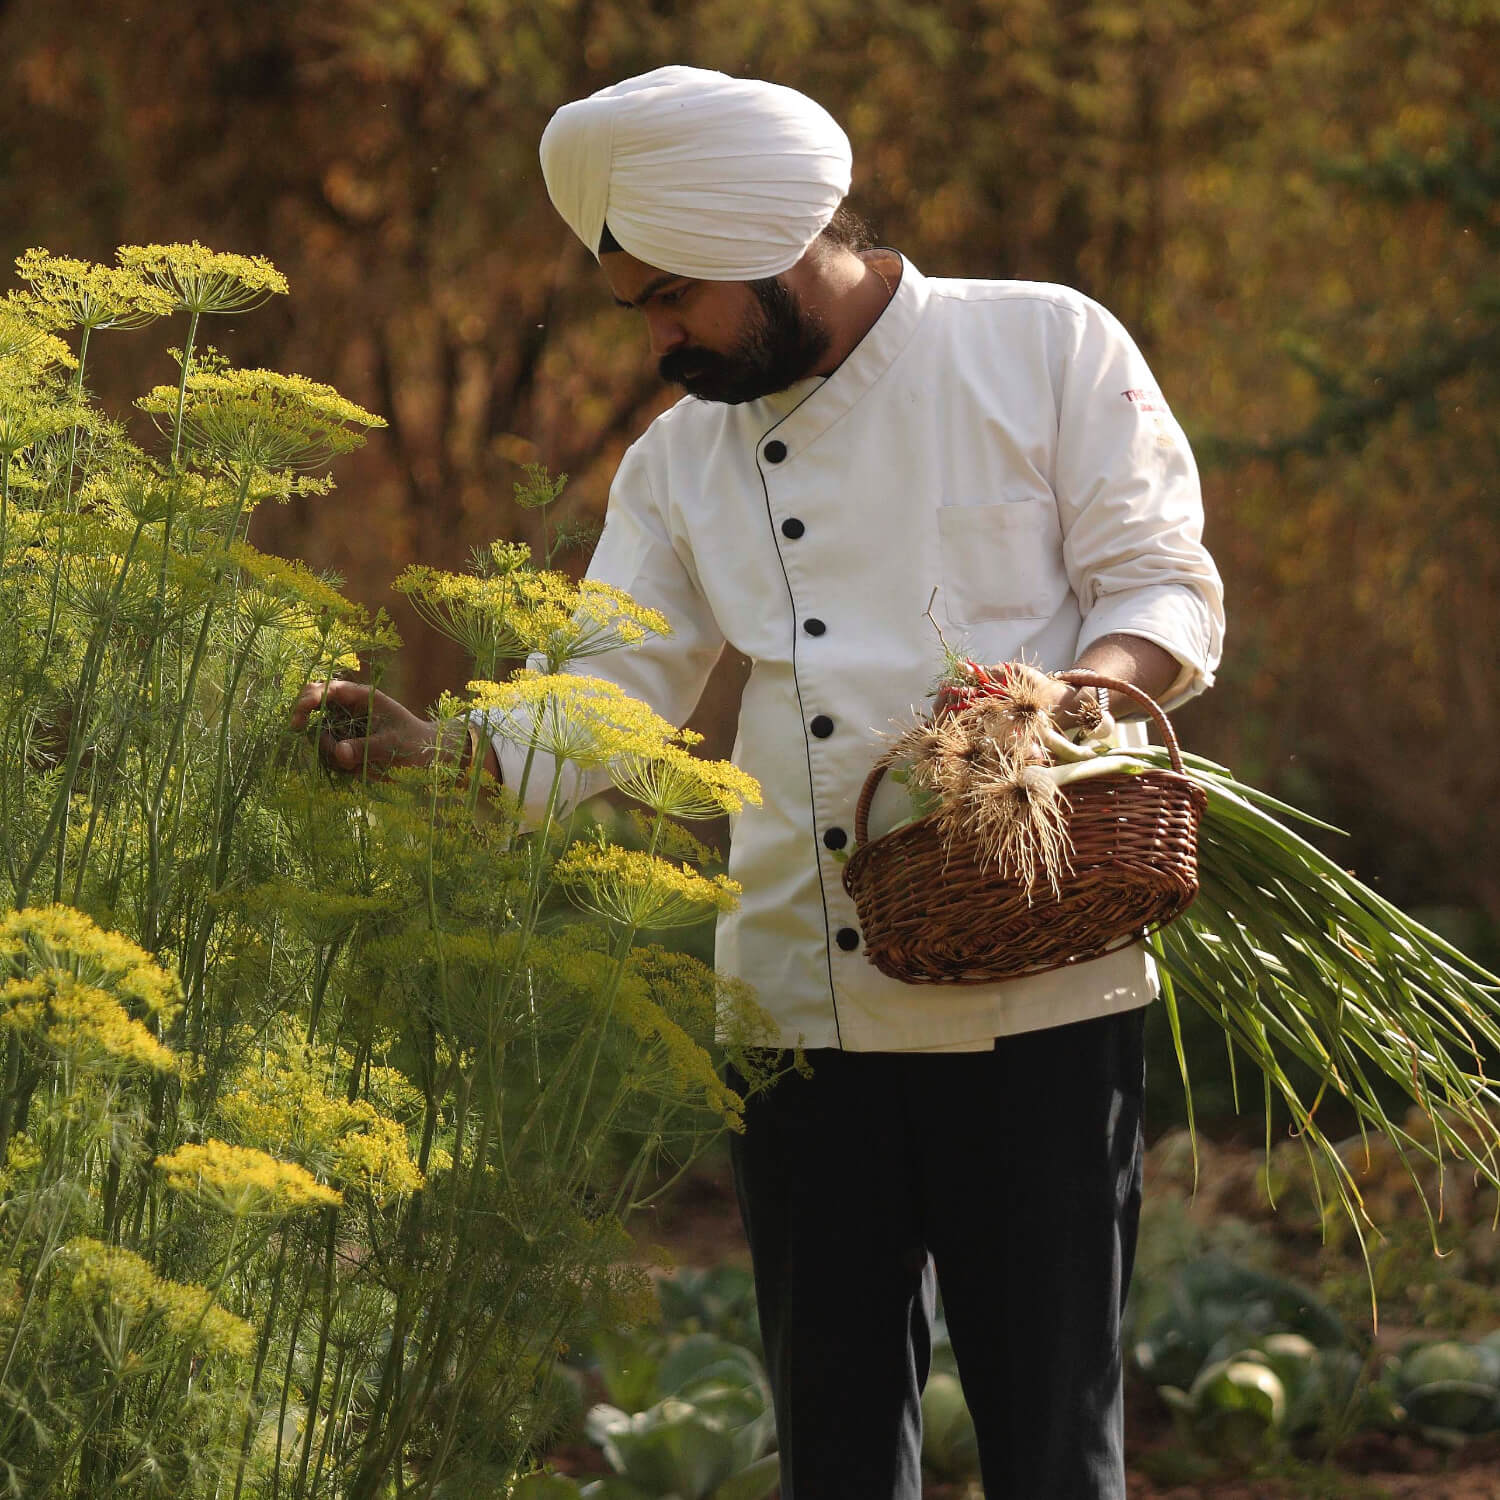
column 1297, row 959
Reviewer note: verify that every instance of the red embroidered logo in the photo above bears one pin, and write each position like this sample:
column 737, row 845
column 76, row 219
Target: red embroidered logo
column 1145, row 400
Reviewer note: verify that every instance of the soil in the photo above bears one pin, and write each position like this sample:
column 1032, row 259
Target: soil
column 698, row 1226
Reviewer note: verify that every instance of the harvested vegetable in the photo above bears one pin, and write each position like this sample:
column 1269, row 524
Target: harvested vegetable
column 1292, row 955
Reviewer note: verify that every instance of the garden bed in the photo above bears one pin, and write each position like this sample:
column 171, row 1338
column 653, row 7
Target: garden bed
column 1422, row 1298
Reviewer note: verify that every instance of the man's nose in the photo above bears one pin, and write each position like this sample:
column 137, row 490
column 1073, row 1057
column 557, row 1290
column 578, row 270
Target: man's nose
column 665, row 332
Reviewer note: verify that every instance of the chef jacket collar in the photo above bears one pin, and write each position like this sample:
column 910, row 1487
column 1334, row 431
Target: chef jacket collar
column 806, row 410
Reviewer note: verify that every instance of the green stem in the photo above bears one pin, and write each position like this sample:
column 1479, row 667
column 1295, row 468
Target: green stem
column 56, row 825
column 56, row 587
column 286, row 1382
column 268, row 1324
column 187, row 360
column 334, row 1420
column 316, row 1388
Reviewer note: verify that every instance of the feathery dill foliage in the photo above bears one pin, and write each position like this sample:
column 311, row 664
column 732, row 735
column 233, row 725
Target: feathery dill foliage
column 322, row 1100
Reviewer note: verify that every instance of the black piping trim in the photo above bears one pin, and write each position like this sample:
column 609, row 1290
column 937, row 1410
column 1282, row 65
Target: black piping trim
column 802, row 714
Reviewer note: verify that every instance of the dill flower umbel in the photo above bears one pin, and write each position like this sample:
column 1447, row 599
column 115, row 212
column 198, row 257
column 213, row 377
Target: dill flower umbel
column 243, row 1182
column 676, row 784
column 259, row 421
column 127, row 1282
column 72, row 985
column 587, row 720
column 30, row 349
column 285, row 1104
column 79, row 294
column 82, row 1021
column 43, row 938
column 200, row 280
column 29, row 412
column 289, row 580
column 690, row 1067
column 506, row 610
column 639, row 890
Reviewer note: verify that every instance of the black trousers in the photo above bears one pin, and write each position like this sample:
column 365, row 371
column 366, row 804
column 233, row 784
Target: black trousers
column 1015, row 1174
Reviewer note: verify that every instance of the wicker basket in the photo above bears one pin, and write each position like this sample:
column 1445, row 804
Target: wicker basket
column 933, row 912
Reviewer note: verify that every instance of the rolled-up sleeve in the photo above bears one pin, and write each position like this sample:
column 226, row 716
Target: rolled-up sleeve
column 635, row 553
column 1131, row 508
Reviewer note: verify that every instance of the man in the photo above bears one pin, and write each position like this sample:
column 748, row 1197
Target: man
column 854, row 437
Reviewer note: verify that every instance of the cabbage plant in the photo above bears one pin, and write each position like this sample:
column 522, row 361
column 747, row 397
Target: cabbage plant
column 706, row 1438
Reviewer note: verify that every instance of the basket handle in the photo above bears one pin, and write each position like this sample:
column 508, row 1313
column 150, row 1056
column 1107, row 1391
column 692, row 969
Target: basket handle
column 1082, row 678
column 866, row 797
column 1079, row 678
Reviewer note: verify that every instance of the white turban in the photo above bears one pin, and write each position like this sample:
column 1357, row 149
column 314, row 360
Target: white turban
column 699, row 174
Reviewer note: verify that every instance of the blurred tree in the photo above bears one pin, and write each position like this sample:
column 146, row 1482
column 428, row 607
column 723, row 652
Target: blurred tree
column 383, row 153
column 1356, row 456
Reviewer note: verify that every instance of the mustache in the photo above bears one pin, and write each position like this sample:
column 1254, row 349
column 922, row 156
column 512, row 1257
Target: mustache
column 682, row 365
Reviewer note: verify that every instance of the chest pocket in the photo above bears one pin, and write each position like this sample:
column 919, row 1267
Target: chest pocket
column 1001, row 560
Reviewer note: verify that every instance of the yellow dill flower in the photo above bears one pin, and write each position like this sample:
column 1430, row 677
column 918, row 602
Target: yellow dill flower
column 22, row 1154
column 289, row 579
column 42, row 939
column 703, row 1001
column 244, row 1182
column 689, row 1066
column 374, row 1154
column 286, row 1104
column 132, row 1287
column 30, row 412
column 584, row 719
column 190, row 1312
column 502, row 556
column 83, row 1021
column 79, row 294
column 122, row 1275
column 25, row 345
column 330, row 647
column 639, row 890
column 606, row 617
column 204, row 281
column 679, row 785
column 262, row 421
column 69, row 983
column 506, row 609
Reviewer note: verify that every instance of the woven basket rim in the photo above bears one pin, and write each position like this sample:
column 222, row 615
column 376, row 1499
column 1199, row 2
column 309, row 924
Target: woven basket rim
column 1170, row 803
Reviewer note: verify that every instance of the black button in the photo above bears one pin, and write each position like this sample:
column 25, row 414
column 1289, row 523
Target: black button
column 847, row 939
column 835, row 838
column 774, row 451
column 822, row 726
column 814, row 627
column 792, row 527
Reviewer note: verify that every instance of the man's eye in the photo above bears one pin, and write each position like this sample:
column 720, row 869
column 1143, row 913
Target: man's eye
column 670, row 299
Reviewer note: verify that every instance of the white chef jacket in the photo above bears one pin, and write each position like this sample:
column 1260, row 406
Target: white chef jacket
column 1002, row 442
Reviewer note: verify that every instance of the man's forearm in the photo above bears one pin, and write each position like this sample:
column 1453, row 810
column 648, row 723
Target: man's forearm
column 1130, row 658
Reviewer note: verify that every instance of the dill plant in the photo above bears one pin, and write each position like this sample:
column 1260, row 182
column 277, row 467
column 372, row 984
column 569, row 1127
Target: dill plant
column 322, row 1099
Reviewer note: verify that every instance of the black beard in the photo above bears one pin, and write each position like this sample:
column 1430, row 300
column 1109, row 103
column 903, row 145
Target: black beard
column 781, row 347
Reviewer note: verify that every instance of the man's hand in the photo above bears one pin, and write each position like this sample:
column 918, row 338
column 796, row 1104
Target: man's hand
column 369, row 728
column 1129, row 658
